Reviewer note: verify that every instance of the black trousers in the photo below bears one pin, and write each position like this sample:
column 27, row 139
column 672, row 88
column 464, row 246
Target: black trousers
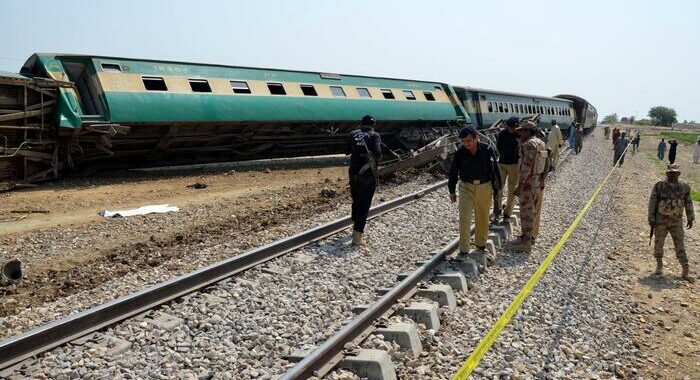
column 362, row 187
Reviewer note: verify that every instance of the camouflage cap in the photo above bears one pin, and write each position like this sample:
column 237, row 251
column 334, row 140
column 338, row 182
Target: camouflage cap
column 673, row 168
column 526, row 125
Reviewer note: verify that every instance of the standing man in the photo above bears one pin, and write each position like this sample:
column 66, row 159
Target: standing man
column 507, row 145
column 606, row 131
column 635, row 142
column 579, row 138
column 666, row 203
column 475, row 167
column 672, row 151
column 364, row 146
column 555, row 142
column 615, row 135
column 533, row 154
column 572, row 135
column 661, row 150
column 620, row 147
column 696, row 152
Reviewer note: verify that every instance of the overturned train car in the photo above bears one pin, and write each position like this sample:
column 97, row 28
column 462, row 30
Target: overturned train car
column 76, row 112
column 115, row 112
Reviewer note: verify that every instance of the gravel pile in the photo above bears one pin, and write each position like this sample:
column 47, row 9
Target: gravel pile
column 244, row 326
column 578, row 320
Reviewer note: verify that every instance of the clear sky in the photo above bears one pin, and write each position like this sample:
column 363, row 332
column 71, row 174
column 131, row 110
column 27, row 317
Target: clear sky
column 623, row 56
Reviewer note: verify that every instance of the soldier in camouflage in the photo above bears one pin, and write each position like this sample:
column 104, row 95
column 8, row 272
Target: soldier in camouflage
column 529, row 185
column 666, row 203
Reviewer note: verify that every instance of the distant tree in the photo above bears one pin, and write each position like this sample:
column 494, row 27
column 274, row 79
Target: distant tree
column 661, row 115
column 631, row 119
column 642, row 122
column 625, row 120
column 610, row 119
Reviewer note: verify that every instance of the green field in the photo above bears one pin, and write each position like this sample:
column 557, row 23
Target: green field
column 695, row 195
column 685, row 137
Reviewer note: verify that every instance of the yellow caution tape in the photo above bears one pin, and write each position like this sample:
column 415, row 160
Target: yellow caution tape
column 486, row 343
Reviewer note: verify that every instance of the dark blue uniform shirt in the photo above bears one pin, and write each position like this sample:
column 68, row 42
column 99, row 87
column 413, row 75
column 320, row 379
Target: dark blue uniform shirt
column 469, row 168
column 358, row 157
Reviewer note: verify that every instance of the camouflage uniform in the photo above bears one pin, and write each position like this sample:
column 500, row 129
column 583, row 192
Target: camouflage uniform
column 529, row 186
column 666, row 214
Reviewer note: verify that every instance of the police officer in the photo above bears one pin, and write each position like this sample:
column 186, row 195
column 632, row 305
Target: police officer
column 364, row 146
column 554, row 143
column 508, row 155
column 533, row 156
column 475, row 167
column 666, row 203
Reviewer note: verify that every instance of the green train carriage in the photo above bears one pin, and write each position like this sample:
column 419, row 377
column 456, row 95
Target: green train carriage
column 183, row 112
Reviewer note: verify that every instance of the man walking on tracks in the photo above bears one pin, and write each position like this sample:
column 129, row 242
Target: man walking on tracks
column 606, row 131
column 696, row 152
column 475, row 167
column 533, row 154
column 620, row 147
column 579, row 138
column 661, row 150
column 507, row 145
column 554, row 143
column 666, row 203
column 615, row 135
column 364, row 146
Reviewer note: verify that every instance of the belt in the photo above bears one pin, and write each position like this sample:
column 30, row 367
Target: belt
column 477, row 182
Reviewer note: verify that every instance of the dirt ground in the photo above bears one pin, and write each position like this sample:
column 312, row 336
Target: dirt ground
column 68, row 248
column 79, row 201
column 669, row 308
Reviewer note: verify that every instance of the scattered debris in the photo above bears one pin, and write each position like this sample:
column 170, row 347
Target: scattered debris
column 143, row 210
column 327, row 192
column 197, row 185
column 11, row 272
column 267, row 170
column 30, row 211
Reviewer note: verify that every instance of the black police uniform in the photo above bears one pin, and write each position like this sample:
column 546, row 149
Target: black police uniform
column 362, row 180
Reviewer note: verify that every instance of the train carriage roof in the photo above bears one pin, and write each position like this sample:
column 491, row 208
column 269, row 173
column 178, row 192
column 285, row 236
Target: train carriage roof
column 497, row 92
column 323, row 74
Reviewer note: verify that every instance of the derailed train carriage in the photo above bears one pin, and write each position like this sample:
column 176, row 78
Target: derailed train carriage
column 75, row 112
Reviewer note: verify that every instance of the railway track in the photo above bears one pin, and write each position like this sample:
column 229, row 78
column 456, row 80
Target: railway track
column 330, row 354
column 36, row 341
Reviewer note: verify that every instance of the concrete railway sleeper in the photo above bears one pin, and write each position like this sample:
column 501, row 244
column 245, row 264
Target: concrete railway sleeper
column 436, row 280
column 44, row 338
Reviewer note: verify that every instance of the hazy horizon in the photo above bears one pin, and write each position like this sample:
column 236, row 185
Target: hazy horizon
column 623, row 59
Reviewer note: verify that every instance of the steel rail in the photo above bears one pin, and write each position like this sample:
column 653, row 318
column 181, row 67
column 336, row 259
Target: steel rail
column 335, row 346
column 43, row 338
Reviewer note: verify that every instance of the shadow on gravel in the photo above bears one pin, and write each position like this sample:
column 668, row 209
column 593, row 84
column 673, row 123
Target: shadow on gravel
column 660, row 283
column 339, row 247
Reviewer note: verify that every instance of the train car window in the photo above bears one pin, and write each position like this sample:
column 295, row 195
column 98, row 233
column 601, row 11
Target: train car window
column 520, row 107
column 500, row 107
column 387, row 93
column 429, row 96
column 363, row 92
column 111, row 67
column 308, row 90
column 154, row 83
column 490, row 106
column 338, row 91
column 199, row 85
column 240, row 87
column 276, row 88
column 409, row 95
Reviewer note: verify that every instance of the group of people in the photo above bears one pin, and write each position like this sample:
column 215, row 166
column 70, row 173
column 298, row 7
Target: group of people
column 575, row 139
column 478, row 174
